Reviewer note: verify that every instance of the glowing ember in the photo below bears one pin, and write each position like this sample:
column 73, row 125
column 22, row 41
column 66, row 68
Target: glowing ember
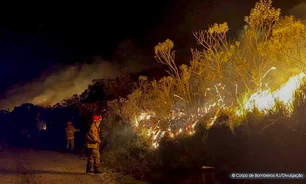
column 155, row 144
column 263, row 100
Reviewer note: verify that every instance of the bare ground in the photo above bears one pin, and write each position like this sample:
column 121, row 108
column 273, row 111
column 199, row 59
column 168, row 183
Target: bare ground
column 26, row 166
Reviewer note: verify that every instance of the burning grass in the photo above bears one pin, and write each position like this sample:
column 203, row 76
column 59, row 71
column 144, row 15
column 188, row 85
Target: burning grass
column 238, row 103
column 235, row 77
column 261, row 142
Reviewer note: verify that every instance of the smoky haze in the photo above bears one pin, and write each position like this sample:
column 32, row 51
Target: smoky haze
column 59, row 83
column 299, row 11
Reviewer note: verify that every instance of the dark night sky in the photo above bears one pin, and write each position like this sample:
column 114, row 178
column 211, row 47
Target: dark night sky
column 33, row 37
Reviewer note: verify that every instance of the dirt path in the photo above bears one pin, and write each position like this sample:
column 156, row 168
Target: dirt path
column 26, row 166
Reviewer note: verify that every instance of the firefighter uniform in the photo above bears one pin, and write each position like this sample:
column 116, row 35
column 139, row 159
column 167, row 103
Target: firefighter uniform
column 92, row 144
column 70, row 130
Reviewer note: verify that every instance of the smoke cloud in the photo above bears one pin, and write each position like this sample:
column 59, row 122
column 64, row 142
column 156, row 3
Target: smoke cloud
column 299, row 11
column 60, row 83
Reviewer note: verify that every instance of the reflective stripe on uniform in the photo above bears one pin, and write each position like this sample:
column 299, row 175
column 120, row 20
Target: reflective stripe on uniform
column 92, row 146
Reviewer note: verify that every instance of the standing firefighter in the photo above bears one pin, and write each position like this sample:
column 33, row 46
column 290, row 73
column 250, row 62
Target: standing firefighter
column 92, row 144
column 70, row 130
